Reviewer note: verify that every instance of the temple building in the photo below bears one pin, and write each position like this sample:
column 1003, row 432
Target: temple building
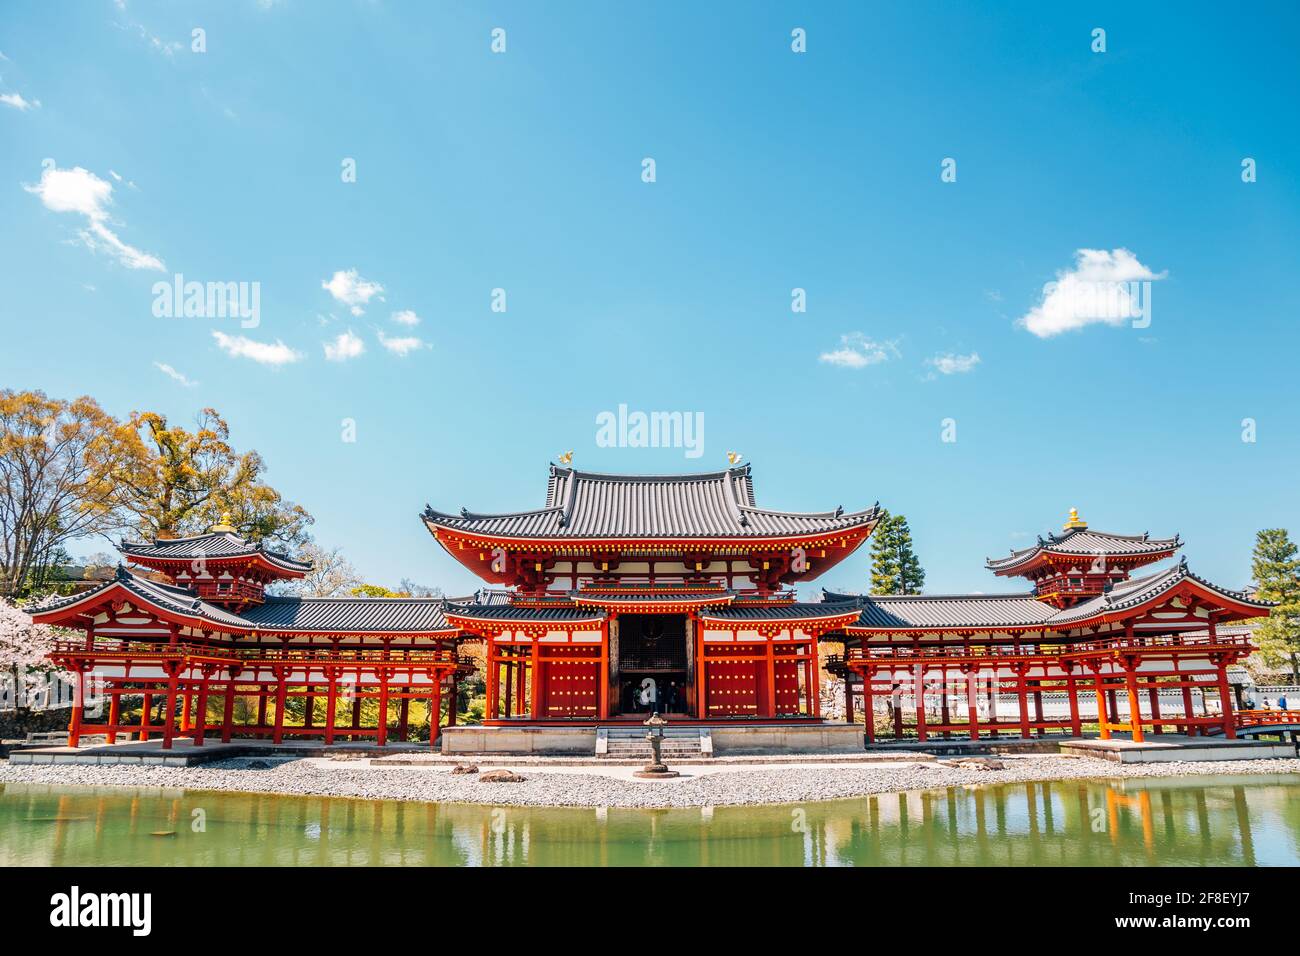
column 637, row 592
column 1088, row 630
column 624, row 595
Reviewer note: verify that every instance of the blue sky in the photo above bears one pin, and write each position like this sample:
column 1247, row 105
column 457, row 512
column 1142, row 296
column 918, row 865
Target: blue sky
column 774, row 170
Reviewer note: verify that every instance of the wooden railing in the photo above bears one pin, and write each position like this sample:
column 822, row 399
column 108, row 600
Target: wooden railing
column 1267, row 718
column 289, row 654
column 984, row 651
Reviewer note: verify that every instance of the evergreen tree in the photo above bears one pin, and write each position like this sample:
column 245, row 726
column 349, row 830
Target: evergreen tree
column 1277, row 578
column 895, row 568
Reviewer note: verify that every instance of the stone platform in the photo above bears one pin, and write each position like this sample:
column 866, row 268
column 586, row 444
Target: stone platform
column 727, row 739
column 1168, row 748
column 184, row 754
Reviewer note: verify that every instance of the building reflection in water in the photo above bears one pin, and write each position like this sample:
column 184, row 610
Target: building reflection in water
column 1158, row 821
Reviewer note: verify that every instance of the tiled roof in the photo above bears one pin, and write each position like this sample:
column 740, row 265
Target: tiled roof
column 531, row 614
column 976, row 611
column 755, row 611
column 1140, row 590
column 952, row 610
column 587, row 505
column 614, row 597
column 1085, row 543
column 215, row 544
column 177, row 600
column 349, row 615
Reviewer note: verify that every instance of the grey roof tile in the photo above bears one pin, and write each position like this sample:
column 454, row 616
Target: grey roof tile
column 211, row 545
column 349, row 615
column 713, row 505
column 1086, row 543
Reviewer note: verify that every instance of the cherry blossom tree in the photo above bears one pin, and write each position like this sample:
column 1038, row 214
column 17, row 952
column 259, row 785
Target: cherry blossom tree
column 23, row 646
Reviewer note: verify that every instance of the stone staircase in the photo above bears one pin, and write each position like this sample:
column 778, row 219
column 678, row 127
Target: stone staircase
column 680, row 744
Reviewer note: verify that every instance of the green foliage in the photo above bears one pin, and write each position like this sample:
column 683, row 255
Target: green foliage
column 895, row 568
column 374, row 591
column 1276, row 571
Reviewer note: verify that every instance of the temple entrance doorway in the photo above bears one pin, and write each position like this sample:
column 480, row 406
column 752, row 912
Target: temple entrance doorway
column 653, row 670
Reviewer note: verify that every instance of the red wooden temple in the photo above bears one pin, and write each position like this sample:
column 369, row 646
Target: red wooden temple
column 624, row 594
column 1088, row 631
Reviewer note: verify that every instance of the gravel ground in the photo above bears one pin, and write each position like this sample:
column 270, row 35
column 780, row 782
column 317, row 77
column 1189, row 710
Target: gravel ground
column 796, row 784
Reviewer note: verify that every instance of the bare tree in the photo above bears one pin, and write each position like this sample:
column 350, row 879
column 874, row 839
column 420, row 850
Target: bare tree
column 332, row 575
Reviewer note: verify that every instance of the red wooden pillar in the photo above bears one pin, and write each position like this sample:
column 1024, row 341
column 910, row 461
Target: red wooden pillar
column 848, row 696
column 815, row 680
column 404, row 717
column 1038, row 707
column 114, row 714
column 918, row 697
column 535, row 698
column 1225, row 695
column 331, row 704
column 228, row 711
column 521, row 674
column 944, row 716
column 972, row 703
column 1103, row 719
column 169, row 724
column 202, row 709
column 1134, row 707
column 602, row 679
column 701, row 675
column 1022, row 695
column 769, row 705
column 382, row 736
column 1153, row 694
column 187, row 715
column 78, row 699
column 510, row 688
column 1072, row 691
column 1187, row 708
column 261, row 708
column 281, row 695
column 356, row 704
column 868, row 710
column 435, row 711
column 492, row 679
column 453, row 701
column 896, row 705
column 146, row 707
column 309, row 708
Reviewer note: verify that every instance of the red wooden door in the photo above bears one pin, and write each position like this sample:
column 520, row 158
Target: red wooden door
column 571, row 688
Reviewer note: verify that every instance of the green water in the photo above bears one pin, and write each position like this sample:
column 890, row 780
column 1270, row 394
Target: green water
column 1189, row 822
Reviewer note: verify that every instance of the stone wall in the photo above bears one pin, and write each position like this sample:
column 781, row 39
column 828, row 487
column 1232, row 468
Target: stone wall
column 16, row 725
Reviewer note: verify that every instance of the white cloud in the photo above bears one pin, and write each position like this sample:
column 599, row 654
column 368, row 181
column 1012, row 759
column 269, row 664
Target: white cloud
column 406, row 317
column 402, row 345
column 264, row 353
column 1101, row 288
column 950, row 364
column 352, row 290
column 173, row 374
column 858, row 351
column 80, row 191
column 17, row 102
column 346, row 346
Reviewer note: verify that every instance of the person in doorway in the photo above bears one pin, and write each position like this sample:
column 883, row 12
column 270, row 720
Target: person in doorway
column 1281, row 702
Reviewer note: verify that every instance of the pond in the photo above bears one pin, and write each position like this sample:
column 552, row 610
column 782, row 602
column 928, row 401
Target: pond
column 1190, row 821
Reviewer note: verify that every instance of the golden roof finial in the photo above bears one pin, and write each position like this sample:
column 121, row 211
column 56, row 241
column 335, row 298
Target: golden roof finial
column 566, row 459
column 223, row 525
column 1075, row 521
column 733, row 457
